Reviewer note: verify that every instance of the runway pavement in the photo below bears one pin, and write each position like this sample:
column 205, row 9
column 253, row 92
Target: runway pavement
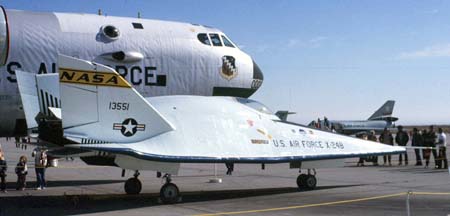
column 77, row 189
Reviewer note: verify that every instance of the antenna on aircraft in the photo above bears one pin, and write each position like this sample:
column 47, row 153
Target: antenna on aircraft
column 139, row 15
column 99, row 12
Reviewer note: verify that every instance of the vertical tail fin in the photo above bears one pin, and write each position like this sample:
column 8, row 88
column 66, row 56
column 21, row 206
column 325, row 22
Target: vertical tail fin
column 28, row 94
column 98, row 104
column 39, row 92
column 383, row 111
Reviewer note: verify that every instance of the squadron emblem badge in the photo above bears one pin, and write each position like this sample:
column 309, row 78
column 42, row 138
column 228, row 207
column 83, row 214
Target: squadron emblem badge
column 228, row 69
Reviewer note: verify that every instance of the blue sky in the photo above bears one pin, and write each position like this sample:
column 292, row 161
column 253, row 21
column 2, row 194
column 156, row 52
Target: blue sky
column 342, row 59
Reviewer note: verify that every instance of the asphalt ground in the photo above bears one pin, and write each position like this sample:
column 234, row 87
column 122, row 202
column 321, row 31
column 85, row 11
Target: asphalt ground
column 77, row 189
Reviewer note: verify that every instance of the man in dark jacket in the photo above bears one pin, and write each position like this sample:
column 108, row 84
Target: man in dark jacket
column 386, row 138
column 429, row 139
column 417, row 141
column 402, row 139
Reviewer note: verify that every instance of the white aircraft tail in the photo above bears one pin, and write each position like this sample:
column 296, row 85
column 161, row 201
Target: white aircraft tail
column 98, row 105
column 384, row 111
column 39, row 93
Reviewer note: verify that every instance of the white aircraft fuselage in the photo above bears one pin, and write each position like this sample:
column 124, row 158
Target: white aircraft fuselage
column 157, row 57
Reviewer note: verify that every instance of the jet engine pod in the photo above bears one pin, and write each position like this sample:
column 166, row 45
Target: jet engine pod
column 123, row 56
column 110, row 32
column 4, row 37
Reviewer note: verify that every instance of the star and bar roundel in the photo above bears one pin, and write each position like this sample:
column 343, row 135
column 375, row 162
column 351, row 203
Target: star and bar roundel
column 129, row 127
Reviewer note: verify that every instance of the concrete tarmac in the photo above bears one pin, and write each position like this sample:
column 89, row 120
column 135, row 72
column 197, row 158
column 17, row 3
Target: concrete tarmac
column 77, row 189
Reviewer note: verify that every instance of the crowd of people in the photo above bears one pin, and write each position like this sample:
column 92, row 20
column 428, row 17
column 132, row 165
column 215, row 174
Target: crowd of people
column 424, row 142
column 21, row 170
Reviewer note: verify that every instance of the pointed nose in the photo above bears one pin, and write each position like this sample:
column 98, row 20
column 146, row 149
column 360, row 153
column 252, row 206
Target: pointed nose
column 258, row 77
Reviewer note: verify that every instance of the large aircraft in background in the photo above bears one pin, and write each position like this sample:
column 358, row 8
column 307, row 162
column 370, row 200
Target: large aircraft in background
column 156, row 57
column 382, row 118
column 102, row 114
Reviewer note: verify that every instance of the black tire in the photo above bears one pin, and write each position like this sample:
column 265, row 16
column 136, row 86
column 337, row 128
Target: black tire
column 133, row 186
column 301, row 180
column 169, row 193
column 310, row 182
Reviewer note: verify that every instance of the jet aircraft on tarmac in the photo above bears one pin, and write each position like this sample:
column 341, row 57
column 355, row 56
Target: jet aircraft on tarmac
column 101, row 113
column 156, row 57
column 382, row 118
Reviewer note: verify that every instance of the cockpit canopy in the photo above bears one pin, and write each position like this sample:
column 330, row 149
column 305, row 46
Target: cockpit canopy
column 215, row 39
column 255, row 105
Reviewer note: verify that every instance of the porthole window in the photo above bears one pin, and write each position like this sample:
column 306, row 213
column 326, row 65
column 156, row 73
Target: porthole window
column 111, row 32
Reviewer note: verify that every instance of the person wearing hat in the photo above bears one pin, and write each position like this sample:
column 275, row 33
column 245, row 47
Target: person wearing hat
column 402, row 139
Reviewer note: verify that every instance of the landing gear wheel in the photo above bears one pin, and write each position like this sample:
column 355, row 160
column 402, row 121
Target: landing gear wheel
column 310, row 182
column 169, row 193
column 301, row 180
column 133, row 186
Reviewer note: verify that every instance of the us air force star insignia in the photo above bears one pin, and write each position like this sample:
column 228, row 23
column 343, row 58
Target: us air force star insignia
column 228, row 69
column 129, row 127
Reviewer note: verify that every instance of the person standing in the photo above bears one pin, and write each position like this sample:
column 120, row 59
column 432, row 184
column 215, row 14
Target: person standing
column 21, row 171
column 417, row 141
column 442, row 147
column 40, row 164
column 3, row 168
column 402, row 139
column 426, row 151
column 361, row 159
column 430, row 141
column 326, row 123
column 373, row 137
column 386, row 138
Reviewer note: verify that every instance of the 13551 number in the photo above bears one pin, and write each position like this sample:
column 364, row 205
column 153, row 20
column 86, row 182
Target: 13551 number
column 119, row 106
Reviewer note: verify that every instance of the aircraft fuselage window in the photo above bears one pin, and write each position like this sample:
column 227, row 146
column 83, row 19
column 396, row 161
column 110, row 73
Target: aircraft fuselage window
column 215, row 39
column 138, row 26
column 226, row 42
column 203, row 38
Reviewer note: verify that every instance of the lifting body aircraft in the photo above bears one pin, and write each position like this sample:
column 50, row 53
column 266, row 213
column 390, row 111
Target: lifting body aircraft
column 156, row 57
column 103, row 114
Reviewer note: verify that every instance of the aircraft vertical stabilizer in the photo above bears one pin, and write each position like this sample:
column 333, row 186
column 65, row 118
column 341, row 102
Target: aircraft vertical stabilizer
column 384, row 111
column 96, row 98
column 28, row 94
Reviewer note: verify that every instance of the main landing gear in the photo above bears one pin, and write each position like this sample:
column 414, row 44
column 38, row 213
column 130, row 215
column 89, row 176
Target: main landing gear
column 133, row 185
column 307, row 181
column 168, row 194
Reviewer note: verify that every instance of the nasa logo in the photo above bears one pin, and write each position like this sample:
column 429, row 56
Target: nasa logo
column 92, row 78
column 129, row 127
column 228, row 69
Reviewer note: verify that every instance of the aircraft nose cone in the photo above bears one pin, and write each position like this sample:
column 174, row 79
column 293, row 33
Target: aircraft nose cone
column 258, row 77
column 257, row 74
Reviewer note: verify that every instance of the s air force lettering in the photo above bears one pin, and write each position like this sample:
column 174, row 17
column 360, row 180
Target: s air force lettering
column 137, row 75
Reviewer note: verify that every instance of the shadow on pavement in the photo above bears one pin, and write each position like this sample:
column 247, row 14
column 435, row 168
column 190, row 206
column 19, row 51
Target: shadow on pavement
column 63, row 183
column 83, row 204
